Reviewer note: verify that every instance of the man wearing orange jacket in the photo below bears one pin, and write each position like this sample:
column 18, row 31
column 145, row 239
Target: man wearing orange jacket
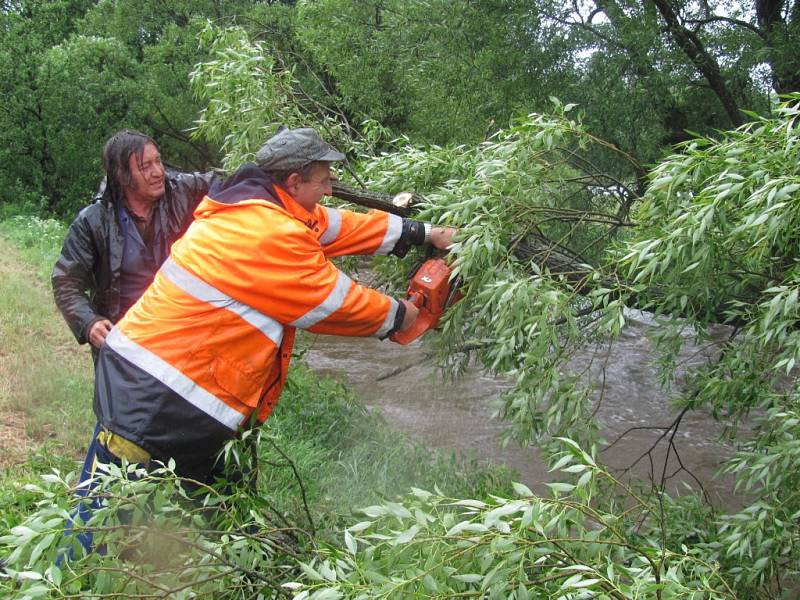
column 205, row 351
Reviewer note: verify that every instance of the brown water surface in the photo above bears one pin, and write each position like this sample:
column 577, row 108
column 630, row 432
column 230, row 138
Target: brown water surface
column 458, row 415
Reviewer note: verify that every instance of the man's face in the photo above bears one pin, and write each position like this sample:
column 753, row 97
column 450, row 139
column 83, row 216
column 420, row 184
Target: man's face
column 308, row 193
column 148, row 176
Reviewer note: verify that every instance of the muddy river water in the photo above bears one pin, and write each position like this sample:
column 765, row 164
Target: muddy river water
column 458, row 415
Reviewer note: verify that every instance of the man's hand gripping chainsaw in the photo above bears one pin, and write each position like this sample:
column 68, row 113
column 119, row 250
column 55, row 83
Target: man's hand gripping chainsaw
column 432, row 292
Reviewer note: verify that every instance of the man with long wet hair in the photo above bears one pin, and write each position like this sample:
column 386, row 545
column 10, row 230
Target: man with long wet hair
column 116, row 244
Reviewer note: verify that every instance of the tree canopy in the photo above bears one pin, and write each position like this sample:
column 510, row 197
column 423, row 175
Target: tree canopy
column 436, row 71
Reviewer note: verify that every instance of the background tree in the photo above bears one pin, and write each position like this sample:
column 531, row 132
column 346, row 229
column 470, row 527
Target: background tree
column 162, row 38
column 75, row 72
column 653, row 71
column 441, row 72
column 29, row 30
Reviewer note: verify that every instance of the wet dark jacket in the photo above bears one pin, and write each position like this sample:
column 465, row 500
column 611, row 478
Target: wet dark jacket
column 86, row 276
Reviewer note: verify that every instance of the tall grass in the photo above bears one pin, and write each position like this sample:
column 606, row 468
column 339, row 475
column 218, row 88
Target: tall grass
column 37, row 240
column 45, row 374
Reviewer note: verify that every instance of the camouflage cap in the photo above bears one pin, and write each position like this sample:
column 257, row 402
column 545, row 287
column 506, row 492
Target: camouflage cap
column 292, row 149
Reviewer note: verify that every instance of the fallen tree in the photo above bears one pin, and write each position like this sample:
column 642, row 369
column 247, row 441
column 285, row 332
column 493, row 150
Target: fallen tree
column 716, row 239
column 549, row 261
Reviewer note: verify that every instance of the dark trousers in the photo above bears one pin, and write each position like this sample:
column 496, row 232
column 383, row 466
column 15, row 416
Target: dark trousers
column 91, row 498
column 87, row 488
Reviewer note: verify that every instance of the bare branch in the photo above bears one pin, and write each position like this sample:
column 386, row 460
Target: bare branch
column 738, row 22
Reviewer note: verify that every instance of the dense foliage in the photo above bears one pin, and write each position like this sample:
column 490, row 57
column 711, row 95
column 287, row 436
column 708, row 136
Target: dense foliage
column 74, row 71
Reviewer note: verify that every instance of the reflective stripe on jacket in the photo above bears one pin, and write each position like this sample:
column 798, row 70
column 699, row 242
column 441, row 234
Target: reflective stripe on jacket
column 210, row 341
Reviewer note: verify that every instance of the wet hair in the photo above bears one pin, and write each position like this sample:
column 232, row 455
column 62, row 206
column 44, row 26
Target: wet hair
column 304, row 171
column 117, row 152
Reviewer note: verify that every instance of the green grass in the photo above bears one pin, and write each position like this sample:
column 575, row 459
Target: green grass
column 45, row 374
column 37, row 241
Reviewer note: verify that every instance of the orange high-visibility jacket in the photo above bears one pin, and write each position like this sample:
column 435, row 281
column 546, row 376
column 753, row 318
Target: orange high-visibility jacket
column 209, row 343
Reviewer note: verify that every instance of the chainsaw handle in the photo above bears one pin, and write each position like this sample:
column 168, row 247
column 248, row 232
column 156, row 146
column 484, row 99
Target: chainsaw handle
column 411, row 314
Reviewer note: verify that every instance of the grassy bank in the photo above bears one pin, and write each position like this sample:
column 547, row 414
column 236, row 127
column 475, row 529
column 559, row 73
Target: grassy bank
column 321, row 450
column 46, row 377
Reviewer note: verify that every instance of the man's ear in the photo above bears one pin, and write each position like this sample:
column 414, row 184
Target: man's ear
column 293, row 179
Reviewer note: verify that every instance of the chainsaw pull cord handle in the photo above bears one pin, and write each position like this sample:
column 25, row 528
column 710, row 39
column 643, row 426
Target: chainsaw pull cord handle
column 416, row 299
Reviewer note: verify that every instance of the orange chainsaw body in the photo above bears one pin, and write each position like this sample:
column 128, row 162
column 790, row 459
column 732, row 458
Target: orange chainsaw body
column 429, row 290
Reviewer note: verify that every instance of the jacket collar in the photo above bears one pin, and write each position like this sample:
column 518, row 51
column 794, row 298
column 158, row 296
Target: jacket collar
column 249, row 182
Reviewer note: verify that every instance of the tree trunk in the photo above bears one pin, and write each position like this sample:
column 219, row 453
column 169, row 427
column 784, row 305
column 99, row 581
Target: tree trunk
column 777, row 31
column 691, row 45
column 371, row 199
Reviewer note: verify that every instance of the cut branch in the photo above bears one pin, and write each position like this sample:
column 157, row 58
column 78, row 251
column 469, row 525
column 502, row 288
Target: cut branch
column 372, row 199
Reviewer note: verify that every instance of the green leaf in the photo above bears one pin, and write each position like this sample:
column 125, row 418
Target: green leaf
column 407, row 535
column 326, row 594
column 522, row 490
column 468, row 577
column 561, row 487
column 310, row 572
column 350, row 543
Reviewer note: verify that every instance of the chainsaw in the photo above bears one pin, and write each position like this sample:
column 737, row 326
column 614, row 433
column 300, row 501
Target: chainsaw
column 432, row 292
